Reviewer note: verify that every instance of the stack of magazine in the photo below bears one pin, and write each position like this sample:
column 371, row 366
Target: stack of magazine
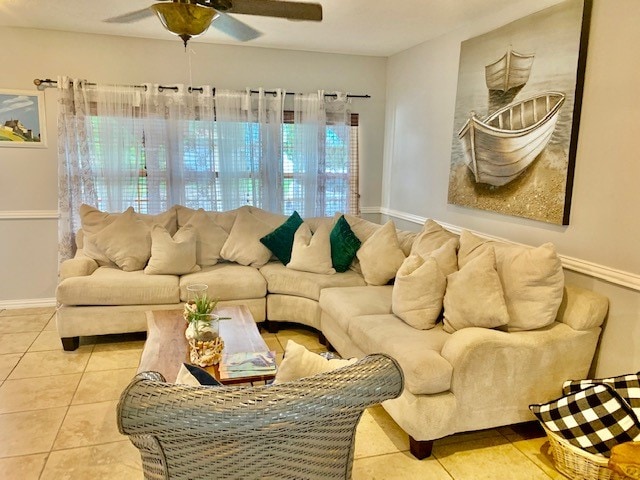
column 247, row 364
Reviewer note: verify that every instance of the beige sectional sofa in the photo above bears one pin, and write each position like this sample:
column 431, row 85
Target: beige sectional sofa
column 457, row 377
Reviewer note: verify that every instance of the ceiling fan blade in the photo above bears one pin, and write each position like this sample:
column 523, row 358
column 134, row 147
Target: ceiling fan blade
column 235, row 28
column 276, row 8
column 131, row 16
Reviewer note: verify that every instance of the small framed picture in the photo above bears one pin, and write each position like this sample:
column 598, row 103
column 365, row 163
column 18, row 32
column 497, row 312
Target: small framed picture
column 22, row 119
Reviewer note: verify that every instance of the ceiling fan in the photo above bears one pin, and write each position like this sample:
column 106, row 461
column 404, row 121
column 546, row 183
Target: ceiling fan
column 190, row 18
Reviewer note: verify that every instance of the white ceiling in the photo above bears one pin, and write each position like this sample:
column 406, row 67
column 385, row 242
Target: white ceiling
column 363, row 27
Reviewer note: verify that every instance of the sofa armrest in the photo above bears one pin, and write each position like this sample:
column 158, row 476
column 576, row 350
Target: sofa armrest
column 78, row 266
column 582, row 309
column 495, row 369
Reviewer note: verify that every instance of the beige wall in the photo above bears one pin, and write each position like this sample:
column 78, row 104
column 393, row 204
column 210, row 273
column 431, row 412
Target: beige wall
column 604, row 230
column 28, row 177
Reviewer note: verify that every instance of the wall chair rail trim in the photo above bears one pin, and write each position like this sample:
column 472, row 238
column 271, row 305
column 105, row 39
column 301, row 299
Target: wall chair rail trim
column 29, row 214
column 602, row 272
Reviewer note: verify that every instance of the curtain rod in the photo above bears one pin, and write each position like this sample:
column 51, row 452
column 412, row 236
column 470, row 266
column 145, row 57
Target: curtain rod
column 47, row 82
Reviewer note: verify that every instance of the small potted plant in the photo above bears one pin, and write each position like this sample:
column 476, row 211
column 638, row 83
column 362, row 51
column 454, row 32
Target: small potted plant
column 203, row 327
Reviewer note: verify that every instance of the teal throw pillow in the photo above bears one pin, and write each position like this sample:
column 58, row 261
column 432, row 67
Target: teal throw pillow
column 280, row 241
column 344, row 245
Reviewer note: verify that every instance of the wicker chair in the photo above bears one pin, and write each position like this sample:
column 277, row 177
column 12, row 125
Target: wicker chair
column 303, row 429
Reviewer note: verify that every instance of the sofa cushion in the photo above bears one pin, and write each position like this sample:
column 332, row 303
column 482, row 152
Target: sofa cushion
column 224, row 219
column 172, row 256
column 210, row 237
column 94, row 220
column 112, row 286
column 243, row 245
column 474, row 296
column 420, row 284
column 344, row 303
column 344, row 245
column 226, row 281
column 417, row 351
column 286, row 281
column 364, row 229
column 380, row 255
column 532, row 279
column 312, row 252
column 126, row 241
column 270, row 218
column 432, row 237
column 280, row 241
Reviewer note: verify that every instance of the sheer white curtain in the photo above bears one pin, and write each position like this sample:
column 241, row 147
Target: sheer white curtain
column 239, row 168
column 249, row 143
column 178, row 142
column 322, row 140
column 309, row 127
column 75, row 176
column 99, row 152
column 340, row 188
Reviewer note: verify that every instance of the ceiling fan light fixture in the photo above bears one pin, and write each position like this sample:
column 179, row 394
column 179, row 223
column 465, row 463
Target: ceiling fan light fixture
column 186, row 20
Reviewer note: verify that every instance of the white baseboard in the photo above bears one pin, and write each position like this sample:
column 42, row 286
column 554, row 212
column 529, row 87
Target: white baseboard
column 602, row 272
column 27, row 303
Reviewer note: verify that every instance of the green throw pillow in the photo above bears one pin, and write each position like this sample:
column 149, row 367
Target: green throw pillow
column 280, row 241
column 344, row 245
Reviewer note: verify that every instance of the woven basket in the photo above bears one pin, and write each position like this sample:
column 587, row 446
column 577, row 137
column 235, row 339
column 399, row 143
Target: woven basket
column 578, row 464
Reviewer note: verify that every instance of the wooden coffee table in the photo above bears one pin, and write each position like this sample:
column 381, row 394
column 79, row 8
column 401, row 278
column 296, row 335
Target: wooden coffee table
column 166, row 347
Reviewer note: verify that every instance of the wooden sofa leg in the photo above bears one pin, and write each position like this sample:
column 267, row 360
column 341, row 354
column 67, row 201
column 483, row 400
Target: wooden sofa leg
column 420, row 449
column 69, row 344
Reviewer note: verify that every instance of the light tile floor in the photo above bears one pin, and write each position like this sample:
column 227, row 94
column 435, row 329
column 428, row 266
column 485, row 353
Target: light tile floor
column 57, row 416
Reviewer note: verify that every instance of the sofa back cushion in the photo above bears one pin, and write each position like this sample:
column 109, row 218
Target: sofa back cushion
column 94, row 220
column 432, row 237
column 210, row 237
column 532, row 279
column 126, row 241
column 243, row 244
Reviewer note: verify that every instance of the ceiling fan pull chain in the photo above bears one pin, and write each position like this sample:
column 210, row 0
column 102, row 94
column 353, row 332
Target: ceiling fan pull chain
column 189, row 53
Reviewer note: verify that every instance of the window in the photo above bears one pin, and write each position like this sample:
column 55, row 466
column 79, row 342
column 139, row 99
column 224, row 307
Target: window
column 151, row 179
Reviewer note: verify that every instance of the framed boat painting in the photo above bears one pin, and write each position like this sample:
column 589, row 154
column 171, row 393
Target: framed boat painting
column 517, row 115
column 22, row 119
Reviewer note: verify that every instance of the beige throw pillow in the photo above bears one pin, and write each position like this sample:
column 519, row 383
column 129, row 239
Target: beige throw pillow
column 418, row 291
column 243, row 245
column 532, row 278
column 172, row 256
column 298, row 362
column 420, row 285
column 126, row 241
column 381, row 256
column 210, row 238
column 474, row 296
column 312, row 252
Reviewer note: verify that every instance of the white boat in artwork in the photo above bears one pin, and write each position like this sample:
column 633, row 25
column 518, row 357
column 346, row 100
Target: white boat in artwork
column 502, row 146
column 512, row 70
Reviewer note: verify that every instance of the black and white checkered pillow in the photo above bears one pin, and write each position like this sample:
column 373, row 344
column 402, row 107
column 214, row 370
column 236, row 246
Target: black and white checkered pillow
column 594, row 419
column 627, row 386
